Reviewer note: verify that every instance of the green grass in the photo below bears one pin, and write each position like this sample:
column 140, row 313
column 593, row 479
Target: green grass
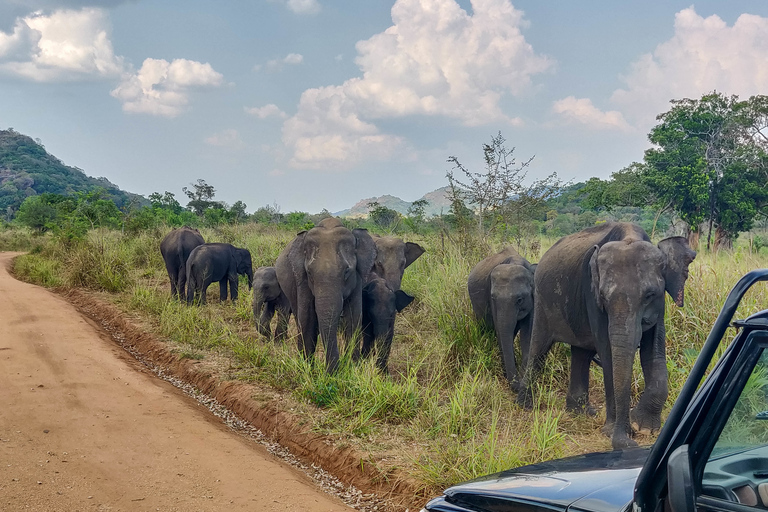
column 446, row 413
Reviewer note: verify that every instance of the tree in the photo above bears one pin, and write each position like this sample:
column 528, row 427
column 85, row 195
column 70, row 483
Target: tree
column 37, row 213
column 165, row 201
column 710, row 163
column 237, row 212
column 488, row 191
column 416, row 213
column 382, row 216
column 201, row 197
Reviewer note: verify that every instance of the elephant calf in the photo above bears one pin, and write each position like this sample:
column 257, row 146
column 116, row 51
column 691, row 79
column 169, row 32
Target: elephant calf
column 268, row 299
column 175, row 248
column 501, row 291
column 380, row 305
column 217, row 262
column 393, row 256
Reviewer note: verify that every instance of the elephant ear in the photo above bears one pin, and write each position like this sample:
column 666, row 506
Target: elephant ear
column 402, row 299
column 594, row 276
column 366, row 253
column 412, row 252
column 677, row 256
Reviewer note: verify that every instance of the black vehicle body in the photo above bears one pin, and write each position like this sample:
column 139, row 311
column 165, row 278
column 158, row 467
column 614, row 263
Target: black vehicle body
column 670, row 475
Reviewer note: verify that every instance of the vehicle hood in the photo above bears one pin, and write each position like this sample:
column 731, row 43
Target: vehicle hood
column 596, row 482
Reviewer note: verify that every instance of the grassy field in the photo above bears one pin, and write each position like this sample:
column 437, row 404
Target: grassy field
column 446, row 413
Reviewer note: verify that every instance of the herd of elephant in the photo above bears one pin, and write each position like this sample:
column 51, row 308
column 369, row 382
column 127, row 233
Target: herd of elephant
column 600, row 290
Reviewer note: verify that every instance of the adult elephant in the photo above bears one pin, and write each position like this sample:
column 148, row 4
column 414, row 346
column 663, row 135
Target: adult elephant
column 602, row 291
column 220, row 262
column 393, row 256
column 322, row 271
column 175, row 248
column 501, row 291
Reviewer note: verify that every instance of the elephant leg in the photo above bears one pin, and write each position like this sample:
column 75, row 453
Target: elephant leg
column 647, row 414
column 577, row 399
column 181, row 280
column 526, row 326
column 233, row 285
column 173, row 275
column 610, row 397
column 204, row 291
column 223, row 290
column 281, row 329
column 541, row 342
column 621, row 369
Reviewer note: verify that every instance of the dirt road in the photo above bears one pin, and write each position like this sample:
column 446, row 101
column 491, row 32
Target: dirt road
column 84, row 427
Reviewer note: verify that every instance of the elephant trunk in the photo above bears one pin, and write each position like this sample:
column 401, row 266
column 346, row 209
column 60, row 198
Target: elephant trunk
column 328, row 307
column 249, row 273
column 624, row 334
column 506, row 326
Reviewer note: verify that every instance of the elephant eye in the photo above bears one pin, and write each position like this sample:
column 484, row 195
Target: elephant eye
column 650, row 295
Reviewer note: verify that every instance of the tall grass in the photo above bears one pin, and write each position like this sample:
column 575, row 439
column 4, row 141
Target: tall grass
column 445, row 412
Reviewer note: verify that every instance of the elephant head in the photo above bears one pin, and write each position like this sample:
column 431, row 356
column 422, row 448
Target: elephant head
column 678, row 255
column 244, row 265
column 267, row 288
column 393, row 256
column 336, row 262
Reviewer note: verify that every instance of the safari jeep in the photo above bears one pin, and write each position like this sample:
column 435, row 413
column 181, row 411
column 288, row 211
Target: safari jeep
column 711, row 454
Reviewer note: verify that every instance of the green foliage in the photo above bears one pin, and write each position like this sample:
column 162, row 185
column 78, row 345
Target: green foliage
column 383, row 217
column 710, row 162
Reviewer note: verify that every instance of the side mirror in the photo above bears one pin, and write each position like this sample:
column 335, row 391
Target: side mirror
column 680, row 492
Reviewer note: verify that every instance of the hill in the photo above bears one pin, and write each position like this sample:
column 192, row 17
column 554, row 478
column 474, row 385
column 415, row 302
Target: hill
column 26, row 169
column 437, row 199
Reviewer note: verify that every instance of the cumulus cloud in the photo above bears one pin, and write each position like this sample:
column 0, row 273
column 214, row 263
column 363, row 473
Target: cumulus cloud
column 582, row 111
column 435, row 60
column 704, row 54
column 304, row 6
column 226, row 139
column 64, row 45
column 266, row 111
column 163, row 88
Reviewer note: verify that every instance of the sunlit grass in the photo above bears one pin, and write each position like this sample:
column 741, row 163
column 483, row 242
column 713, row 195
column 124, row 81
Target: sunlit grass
column 445, row 412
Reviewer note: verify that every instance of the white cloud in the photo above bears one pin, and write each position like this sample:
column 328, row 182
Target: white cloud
column 162, row 88
column 703, row 55
column 65, row 45
column 229, row 139
column 291, row 59
column 304, row 6
column 582, row 111
column 435, row 59
column 266, row 111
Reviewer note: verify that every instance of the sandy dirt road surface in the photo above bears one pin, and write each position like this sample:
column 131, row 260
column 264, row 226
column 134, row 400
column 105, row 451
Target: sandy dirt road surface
column 84, row 427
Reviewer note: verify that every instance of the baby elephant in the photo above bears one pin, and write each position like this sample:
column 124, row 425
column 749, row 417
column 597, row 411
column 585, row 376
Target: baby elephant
column 268, row 299
column 217, row 262
column 380, row 304
column 501, row 292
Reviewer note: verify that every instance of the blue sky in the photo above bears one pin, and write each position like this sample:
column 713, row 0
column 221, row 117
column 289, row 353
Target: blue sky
column 315, row 104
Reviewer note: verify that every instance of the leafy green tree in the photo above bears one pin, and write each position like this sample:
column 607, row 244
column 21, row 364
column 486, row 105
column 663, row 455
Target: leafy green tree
column 37, row 213
column 166, row 201
column 201, row 197
column 237, row 212
column 383, row 217
column 710, row 163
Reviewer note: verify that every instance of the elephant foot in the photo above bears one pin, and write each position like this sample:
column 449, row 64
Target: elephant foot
column 645, row 422
column 580, row 406
column 514, row 385
column 621, row 442
column 525, row 398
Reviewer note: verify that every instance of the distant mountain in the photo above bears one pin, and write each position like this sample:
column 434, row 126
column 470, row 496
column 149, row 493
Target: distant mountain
column 437, row 199
column 26, row 169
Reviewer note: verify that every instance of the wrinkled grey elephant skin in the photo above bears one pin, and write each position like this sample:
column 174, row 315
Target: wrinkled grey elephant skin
column 501, row 291
column 218, row 262
column 380, row 306
column 602, row 291
column 175, row 248
column 393, row 256
column 268, row 300
column 322, row 272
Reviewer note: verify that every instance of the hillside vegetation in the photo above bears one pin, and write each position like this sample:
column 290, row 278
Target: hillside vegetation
column 27, row 169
